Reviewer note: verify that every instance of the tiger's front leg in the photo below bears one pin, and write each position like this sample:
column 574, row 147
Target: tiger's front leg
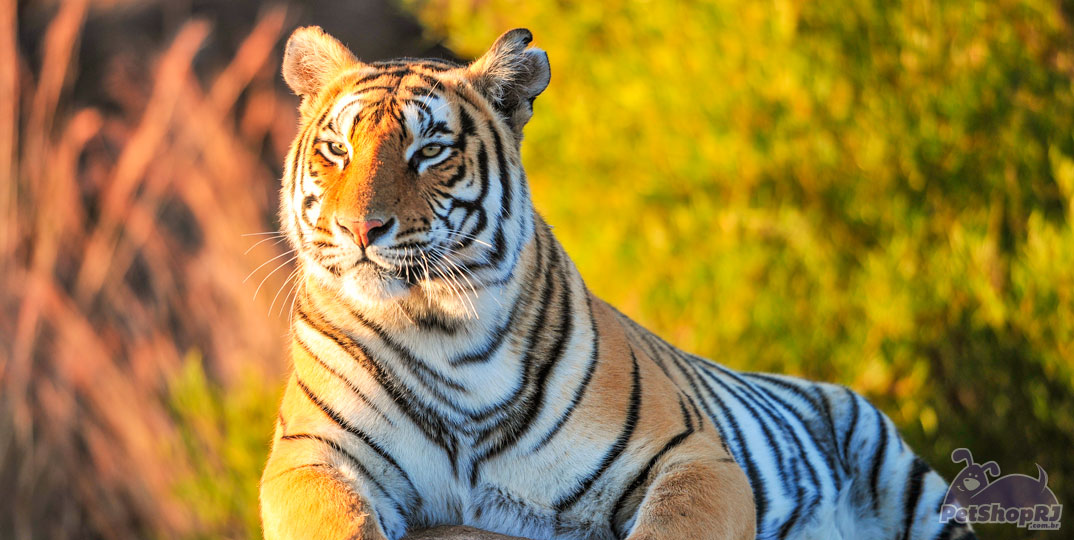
column 307, row 501
column 698, row 492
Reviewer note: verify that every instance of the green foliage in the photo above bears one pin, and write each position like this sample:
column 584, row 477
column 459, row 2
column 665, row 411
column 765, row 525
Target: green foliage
column 226, row 435
column 875, row 193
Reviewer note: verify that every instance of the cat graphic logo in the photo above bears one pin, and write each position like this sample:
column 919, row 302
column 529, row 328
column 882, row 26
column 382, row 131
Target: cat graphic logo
column 1014, row 498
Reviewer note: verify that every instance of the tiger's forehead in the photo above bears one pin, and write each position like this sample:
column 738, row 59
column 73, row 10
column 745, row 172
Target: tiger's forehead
column 410, row 95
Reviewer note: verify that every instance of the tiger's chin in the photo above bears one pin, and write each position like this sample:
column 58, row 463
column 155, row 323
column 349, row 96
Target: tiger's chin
column 374, row 289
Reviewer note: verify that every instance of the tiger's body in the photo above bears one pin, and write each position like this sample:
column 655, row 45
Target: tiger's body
column 450, row 366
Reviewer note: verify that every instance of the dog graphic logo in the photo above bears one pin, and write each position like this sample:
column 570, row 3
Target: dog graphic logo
column 973, row 497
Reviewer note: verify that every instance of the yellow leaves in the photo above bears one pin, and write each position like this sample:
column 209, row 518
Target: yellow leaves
column 929, row 420
column 1063, row 172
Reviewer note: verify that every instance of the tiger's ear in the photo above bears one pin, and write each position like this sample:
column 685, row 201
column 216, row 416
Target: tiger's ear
column 312, row 58
column 510, row 76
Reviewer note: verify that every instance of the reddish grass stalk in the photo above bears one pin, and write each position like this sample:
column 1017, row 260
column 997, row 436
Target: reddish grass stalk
column 104, row 291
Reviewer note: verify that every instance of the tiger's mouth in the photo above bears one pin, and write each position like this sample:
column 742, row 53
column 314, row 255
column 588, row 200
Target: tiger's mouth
column 374, row 268
column 379, row 273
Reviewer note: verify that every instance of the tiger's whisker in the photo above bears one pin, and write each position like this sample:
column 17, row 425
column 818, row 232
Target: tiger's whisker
column 294, row 287
column 456, row 287
column 282, row 286
column 447, row 259
column 277, row 269
column 288, row 252
column 259, row 242
column 470, row 236
column 298, row 291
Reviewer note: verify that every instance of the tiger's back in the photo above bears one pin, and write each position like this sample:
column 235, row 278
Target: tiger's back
column 450, row 366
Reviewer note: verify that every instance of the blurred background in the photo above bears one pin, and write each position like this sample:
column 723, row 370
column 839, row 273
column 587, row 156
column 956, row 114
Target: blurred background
column 875, row 193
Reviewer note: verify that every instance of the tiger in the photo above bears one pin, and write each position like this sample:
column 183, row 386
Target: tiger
column 450, row 367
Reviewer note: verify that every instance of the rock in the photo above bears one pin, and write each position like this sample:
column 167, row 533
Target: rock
column 457, row 532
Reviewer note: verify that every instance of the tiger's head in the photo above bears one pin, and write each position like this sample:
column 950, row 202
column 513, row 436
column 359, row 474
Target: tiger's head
column 405, row 175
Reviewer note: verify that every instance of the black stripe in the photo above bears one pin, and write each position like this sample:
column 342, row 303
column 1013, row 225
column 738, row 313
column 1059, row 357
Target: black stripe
column 787, row 481
column 829, row 420
column 296, row 468
column 949, row 527
column 643, row 477
column 594, row 356
column 617, row 447
column 792, row 520
column 460, row 172
column 874, row 476
column 551, row 261
column 501, row 162
column 431, row 64
column 419, row 415
column 355, row 85
column 685, row 413
column 760, row 497
column 297, row 160
column 430, row 322
column 825, row 446
column 418, row 367
column 425, row 111
column 372, row 87
column 645, row 335
column 353, row 387
column 536, row 385
column 545, row 266
column 850, row 425
column 353, row 460
column 482, row 107
column 475, row 206
column 532, row 387
column 765, row 400
column 913, row 494
column 700, row 419
column 333, row 415
column 945, row 532
column 647, row 341
column 500, row 334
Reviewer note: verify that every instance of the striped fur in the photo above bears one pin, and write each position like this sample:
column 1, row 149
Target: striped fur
column 457, row 370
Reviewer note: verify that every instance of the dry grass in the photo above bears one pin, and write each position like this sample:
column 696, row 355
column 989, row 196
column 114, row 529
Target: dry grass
column 122, row 253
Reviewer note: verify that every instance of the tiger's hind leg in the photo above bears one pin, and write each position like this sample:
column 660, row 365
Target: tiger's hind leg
column 697, row 492
column 895, row 494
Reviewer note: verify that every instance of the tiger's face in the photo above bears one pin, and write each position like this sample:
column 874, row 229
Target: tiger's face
column 405, row 175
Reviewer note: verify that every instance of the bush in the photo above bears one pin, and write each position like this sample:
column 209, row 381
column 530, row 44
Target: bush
column 874, row 193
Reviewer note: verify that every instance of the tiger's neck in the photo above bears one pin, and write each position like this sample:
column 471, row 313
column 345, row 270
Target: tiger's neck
column 448, row 356
column 460, row 303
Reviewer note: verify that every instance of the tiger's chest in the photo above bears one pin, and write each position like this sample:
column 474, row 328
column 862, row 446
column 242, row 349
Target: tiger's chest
column 467, row 438
column 490, row 483
column 513, row 494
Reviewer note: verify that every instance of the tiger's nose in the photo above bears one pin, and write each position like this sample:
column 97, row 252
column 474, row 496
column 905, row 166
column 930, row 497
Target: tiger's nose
column 364, row 232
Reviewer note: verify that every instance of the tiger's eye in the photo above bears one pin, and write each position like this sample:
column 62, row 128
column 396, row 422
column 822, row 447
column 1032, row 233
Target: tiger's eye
column 337, row 148
column 431, row 150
